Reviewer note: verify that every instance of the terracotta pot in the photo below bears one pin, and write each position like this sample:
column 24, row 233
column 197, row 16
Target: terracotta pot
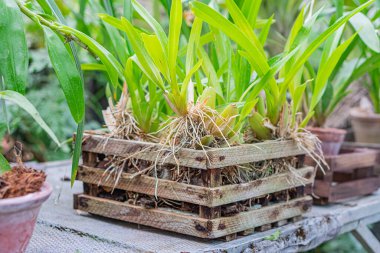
column 366, row 127
column 18, row 217
column 331, row 138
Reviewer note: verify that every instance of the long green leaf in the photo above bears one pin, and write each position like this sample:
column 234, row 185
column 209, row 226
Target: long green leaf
column 77, row 152
column 216, row 20
column 325, row 72
column 67, row 74
column 24, row 103
column 244, row 25
column 317, row 42
column 13, row 47
column 174, row 35
column 145, row 61
column 193, row 44
column 152, row 45
column 159, row 31
column 93, row 67
column 4, row 165
column 366, row 30
column 114, row 69
column 251, row 9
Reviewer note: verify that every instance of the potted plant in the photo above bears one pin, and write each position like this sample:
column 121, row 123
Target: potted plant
column 365, row 121
column 348, row 168
column 188, row 128
column 23, row 190
column 331, row 74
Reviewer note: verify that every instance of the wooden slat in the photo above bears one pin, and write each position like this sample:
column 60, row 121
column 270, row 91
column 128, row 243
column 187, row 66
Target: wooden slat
column 367, row 239
column 146, row 185
column 248, row 153
column 358, row 158
column 210, row 197
column 143, row 150
column 354, row 188
column 341, row 191
column 158, row 218
column 217, row 158
column 232, row 193
column 210, row 178
column 360, row 145
column 89, row 159
column 322, row 188
column 190, row 224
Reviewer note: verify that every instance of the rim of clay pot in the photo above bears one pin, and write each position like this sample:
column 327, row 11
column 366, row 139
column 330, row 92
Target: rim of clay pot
column 371, row 117
column 327, row 130
column 28, row 201
column 326, row 135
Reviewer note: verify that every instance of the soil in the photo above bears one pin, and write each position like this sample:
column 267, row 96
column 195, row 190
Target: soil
column 20, row 181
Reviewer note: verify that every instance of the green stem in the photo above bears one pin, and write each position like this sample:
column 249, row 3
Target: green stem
column 57, row 27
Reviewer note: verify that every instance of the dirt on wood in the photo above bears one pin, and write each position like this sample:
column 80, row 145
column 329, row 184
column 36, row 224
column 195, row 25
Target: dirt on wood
column 20, row 181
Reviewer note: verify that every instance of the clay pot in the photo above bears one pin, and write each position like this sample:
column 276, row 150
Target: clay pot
column 331, row 138
column 18, row 217
column 366, row 126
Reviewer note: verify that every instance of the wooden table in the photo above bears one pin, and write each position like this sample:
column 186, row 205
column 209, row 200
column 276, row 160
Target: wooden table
column 61, row 229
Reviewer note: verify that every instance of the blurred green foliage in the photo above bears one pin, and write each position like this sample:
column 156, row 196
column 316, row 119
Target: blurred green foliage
column 345, row 243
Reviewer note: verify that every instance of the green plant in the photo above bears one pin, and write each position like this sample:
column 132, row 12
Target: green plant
column 289, row 68
column 14, row 53
column 338, row 58
column 191, row 91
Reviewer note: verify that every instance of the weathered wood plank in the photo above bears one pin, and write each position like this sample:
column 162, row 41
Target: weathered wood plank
column 217, row 158
column 367, row 239
column 360, row 145
column 143, row 150
column 89, row 158
column 322, row 188
column 340, row 191
column 145, row 184
column 158, row 218
column 210, row 197
column 248, row 153
column 354, row 188
column 190, row 224
column 358, row 158
column 210, row 178
column 232, row 193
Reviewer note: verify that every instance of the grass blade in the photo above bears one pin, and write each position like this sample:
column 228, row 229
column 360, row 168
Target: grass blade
column 67, row 74
column 13, row 48
column 158, row 30
column 318, row 41
column 367, row 32
column 77, row 152
column 325, row 72
column 4, row 165
column 174, row 34
column 24, row 103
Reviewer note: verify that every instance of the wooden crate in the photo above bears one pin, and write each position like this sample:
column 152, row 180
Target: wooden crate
column 351, row 174
column 208, row 209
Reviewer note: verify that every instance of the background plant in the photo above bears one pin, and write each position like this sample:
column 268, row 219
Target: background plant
column 340, row 65
column 241, row 32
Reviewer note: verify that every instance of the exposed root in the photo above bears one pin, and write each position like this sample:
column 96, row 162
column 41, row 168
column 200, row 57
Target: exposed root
column 121, row 123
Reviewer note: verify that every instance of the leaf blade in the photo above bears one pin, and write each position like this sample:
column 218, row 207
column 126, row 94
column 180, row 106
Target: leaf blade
column 13, row 47
column 67, row 74
column 24, row 103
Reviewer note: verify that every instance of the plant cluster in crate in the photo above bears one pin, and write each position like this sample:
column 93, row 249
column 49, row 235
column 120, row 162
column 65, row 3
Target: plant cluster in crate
column 210, row 197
